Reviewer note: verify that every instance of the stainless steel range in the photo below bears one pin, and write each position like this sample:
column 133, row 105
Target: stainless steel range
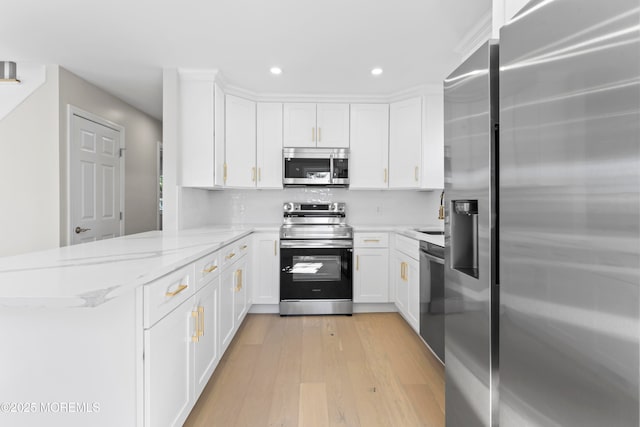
column 316, row 257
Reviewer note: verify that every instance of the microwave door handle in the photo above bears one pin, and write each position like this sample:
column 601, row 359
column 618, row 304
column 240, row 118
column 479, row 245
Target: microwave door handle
column 331, row 170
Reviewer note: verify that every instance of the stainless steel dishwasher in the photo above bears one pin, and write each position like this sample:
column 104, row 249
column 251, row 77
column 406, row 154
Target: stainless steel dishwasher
column 432, row 297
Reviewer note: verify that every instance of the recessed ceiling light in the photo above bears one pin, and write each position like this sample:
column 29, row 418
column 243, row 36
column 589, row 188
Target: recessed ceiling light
column 376, row 71
column 276, row 70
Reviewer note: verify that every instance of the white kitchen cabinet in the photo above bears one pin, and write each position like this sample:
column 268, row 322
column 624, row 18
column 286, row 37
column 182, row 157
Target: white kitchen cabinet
column 269, row 145
column 227, row 302
column 206, row 355
column 406, row 279
column 371, row 276
column 201, row 130
column 433, row 142
column 405, row 143
column 266, row 268
column 369, row 142
column 168, row 367
column 240, row 142
column 316, row 125
column 242, row 280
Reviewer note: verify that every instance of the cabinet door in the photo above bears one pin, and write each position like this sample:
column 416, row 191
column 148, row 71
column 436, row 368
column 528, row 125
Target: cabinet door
column 206, row 354
column 269, row 145
column 219, row 135
column 242, row 281
column 413, row 294
column 167, row 368
column 401, row 283
column 371, row 275
column 266, row 269
column 240, row 142
column 299, row 125
column 196, row 128
column 227, row 294
column 369, row 161
column 332, row 125
column 405, row 144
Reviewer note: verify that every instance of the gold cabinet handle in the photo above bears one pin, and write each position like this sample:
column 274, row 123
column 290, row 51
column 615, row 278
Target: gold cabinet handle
column 357, row 262
column 224, row 173
column 386, row 177
column 243, row 247
column 259, row 175
column 313, row 134
column 200, row 321
column 275, row 248
column 240, row 285
column 210, row 269
column 231, row 255
column 196, row 322
column 416, row 173
column 177, row 291
column 253, row 174
column 372, row 240
column 238, row 281
column 319, row 134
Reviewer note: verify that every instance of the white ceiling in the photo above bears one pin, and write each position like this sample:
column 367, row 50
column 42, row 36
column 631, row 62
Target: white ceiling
column 324, row 46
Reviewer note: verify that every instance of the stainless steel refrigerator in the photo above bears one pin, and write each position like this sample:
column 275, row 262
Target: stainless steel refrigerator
column 549, row 334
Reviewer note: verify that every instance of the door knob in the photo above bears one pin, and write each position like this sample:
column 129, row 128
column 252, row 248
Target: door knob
column 79, row 230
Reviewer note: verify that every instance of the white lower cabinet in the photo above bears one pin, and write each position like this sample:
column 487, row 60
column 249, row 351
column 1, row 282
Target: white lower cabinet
column 266, row 268
column 206, row 355
column 405, row 271
column 227, row 294
column 241, row 279
column 371, row 273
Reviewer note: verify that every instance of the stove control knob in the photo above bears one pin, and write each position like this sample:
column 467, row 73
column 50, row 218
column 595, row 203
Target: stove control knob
column 288, row 207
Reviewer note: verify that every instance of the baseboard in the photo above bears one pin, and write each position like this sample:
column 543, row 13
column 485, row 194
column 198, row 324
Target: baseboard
column 357, row 308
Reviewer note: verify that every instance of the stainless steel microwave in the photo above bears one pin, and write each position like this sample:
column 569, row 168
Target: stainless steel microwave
column 327, row 167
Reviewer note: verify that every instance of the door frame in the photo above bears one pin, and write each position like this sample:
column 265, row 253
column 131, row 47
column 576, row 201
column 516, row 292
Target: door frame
column 72, row 110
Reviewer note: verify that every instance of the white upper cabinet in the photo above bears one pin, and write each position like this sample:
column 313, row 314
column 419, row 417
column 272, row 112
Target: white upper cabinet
column 332, row 126
column 433, row 142
column 316, row 125
column 369, row 159
column 240, row 146
column 201, row 131
column 405, row 144
column 269, row 145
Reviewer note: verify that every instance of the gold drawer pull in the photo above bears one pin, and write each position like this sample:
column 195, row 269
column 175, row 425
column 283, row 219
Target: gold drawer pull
column 231, row 255
column 372, row 240
column 196, row 332
column 177, row 291
column 210, row 269
column 200, row 321
column 243, row 247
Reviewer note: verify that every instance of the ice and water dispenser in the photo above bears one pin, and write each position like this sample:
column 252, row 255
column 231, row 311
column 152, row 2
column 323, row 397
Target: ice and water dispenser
column 464, row 236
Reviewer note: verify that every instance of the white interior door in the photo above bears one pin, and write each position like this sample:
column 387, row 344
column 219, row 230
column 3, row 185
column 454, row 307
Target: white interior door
column 94, row 187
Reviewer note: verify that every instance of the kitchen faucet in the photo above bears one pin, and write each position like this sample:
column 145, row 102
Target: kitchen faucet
column 441, row 210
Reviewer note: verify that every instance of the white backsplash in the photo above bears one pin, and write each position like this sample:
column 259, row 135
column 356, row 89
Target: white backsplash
column 402, row 207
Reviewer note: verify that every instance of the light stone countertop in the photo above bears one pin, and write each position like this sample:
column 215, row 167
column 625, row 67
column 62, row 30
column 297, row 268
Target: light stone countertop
column 91, row 274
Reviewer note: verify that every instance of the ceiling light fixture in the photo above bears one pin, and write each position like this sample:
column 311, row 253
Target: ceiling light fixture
column 8, row 72
column 376, row 71
column 276, row 70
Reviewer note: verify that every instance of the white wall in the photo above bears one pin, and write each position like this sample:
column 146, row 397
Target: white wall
column 202, row 207
column 142, row 132
column 29, row 186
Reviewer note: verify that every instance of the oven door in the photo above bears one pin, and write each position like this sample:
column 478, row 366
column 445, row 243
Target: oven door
column 311, row 270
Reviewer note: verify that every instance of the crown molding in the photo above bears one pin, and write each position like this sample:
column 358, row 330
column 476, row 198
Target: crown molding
column 478, row 34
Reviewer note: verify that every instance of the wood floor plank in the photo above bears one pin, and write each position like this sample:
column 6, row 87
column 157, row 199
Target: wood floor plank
column 313, row 405
column 299, row 371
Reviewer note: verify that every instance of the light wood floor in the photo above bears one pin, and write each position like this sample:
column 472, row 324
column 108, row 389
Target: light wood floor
column 366, row 370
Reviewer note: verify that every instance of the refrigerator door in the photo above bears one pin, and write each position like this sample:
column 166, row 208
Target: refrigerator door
column 569, row 255
column 470, row 120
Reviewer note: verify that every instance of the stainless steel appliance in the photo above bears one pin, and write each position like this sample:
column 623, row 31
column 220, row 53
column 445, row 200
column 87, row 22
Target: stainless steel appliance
column 432, row 297
column 315, row 167
column 569, row 224
column 562, row 228
column 471, row 293
column 316, row 257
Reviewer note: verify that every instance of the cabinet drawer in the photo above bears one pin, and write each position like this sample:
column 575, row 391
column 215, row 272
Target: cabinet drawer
column 371, row 240
column 166, row 293
column 207, row 268
column 235, row 250
column 408, row 246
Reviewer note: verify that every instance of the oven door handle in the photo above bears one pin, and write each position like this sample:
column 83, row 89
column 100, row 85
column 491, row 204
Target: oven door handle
column 304, row 244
